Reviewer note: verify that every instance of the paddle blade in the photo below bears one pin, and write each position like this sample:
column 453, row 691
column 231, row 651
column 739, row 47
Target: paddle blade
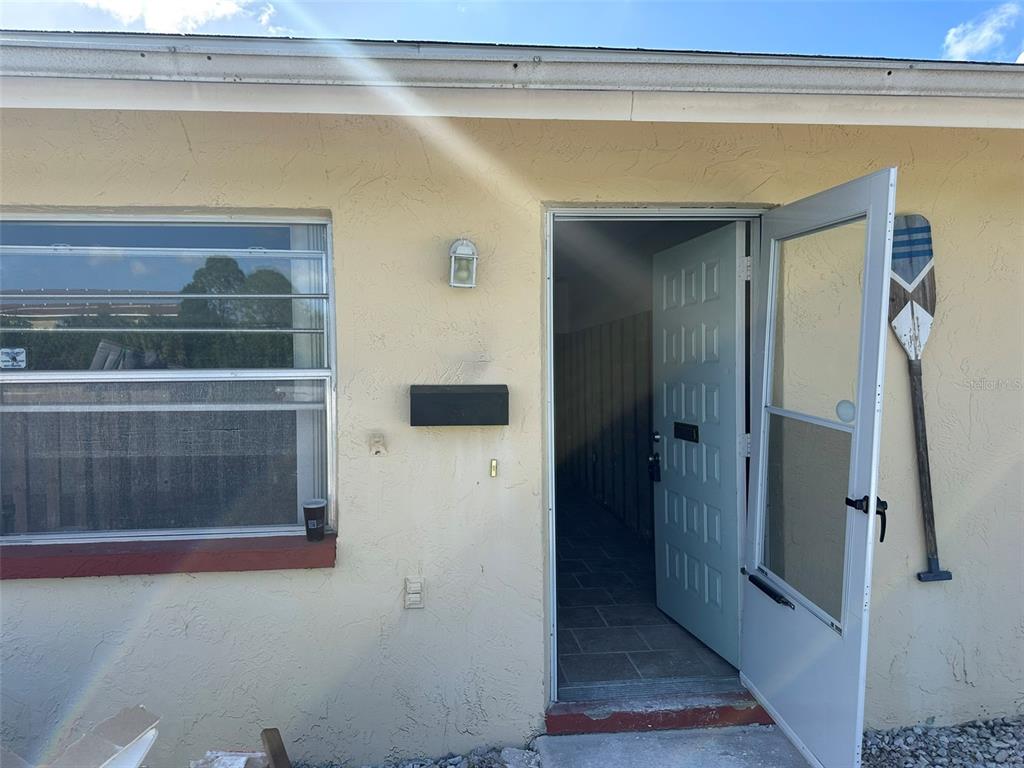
column 912, row 283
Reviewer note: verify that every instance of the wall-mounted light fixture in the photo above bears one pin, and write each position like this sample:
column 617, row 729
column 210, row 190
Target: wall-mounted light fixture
column 463, row 264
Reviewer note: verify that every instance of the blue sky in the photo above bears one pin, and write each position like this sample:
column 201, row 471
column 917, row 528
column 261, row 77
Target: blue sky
column 979, row 31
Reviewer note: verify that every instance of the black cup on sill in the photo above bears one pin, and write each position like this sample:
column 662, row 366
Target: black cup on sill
column 315, row 513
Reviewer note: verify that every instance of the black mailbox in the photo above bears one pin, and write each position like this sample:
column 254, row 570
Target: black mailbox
column 458, row 405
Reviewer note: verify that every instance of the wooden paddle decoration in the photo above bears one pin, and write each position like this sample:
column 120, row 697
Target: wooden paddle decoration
column 911, row 313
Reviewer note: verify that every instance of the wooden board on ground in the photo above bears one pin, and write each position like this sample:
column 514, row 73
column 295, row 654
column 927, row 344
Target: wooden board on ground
column 273, row 745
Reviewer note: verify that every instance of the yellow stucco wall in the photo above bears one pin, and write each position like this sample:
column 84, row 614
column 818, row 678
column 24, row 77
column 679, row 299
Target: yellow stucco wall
column 330, row 656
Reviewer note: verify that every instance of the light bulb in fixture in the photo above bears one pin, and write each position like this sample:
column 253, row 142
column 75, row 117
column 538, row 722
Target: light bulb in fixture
column 463, row 259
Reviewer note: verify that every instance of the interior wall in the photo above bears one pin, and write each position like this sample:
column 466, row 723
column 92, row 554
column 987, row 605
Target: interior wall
column 330, row 656
column 603, row 417
column 602, row 317
column 616, row 300
column 602, row 267
column 602, row 366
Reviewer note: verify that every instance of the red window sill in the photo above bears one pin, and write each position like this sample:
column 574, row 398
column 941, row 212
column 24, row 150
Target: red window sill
column 129, row 558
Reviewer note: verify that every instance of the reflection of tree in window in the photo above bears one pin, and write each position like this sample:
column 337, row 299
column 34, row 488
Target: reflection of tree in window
column 242, row 350
column 220, row 276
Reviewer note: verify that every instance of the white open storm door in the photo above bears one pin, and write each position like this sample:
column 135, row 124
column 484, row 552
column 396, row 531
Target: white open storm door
column 819, row 305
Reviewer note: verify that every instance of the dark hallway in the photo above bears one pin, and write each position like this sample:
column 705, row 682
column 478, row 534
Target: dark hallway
column 613, row 641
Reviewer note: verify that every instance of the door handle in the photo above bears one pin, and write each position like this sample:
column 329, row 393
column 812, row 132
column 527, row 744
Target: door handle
column 771, row 591
column 880, row 509
column 654, row 467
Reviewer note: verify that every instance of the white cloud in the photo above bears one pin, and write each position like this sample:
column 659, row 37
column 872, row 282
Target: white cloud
column 264, row 18
column 982, row 34
column 162, row 16
column 266, row 14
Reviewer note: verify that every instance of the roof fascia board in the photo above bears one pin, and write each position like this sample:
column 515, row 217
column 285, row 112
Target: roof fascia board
column 678, row 107
column 437, row 65
column 441, row 51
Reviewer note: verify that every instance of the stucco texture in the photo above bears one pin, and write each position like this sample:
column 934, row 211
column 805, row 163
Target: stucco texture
column 330, row 656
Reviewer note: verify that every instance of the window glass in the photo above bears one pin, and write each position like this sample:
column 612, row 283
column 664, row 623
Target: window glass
column 147, row 235
column 75, row 307
column 160, row 314
column 176, row 435
column 65, row 271
column 86, row 457
column 115, row 350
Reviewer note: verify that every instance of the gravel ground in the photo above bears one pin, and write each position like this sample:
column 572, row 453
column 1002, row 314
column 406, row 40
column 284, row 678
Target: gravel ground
column 979, row 744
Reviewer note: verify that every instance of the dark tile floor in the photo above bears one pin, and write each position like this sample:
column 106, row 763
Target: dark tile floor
column 609, row 629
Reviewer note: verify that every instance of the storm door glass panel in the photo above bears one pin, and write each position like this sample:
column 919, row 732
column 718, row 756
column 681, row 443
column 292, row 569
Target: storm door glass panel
column 805, row 525
column 111, row 456
column 818, row 292
column 814, row 363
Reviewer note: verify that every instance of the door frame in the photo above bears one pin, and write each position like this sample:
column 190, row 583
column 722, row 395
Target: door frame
column 552, row 214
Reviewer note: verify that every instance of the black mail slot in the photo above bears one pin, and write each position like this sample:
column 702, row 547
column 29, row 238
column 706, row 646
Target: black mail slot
column 458, row 405
column 688, row 432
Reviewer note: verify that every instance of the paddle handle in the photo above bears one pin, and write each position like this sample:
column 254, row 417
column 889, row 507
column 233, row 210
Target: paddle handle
column 924, row 475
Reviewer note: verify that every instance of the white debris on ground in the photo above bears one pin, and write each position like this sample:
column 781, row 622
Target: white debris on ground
column 219, row 759
column 995, row 743
column 485, row 757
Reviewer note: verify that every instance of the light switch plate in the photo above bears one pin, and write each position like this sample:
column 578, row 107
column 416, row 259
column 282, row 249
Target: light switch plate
column 413, row 591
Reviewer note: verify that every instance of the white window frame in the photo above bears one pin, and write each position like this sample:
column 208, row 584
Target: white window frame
column 327, row 374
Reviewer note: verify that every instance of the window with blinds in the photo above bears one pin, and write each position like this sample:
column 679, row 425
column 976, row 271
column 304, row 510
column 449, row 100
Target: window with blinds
column 162, row 377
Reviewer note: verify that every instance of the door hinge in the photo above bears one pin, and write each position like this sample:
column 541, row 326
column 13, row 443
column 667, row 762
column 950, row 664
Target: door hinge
column 746, row 268
column 745, row 445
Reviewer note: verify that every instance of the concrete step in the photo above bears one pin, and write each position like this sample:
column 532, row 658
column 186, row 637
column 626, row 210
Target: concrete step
column 736, row 747
column 636, row 689
column 650, row 713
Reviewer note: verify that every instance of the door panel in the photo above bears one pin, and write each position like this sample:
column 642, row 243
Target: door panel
column 697, row 383
column 819, row 302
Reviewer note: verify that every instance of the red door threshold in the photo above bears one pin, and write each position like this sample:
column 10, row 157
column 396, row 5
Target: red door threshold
column 657, row 713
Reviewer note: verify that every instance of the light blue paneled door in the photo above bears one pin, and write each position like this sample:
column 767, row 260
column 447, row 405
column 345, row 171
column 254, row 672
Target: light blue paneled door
column 698, row 419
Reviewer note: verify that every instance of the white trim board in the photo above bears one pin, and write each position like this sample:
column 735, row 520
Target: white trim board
column 17, row 92
column 199, row 58
column 59, row 70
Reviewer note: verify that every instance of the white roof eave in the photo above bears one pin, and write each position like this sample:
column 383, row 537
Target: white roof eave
column 126, row 71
